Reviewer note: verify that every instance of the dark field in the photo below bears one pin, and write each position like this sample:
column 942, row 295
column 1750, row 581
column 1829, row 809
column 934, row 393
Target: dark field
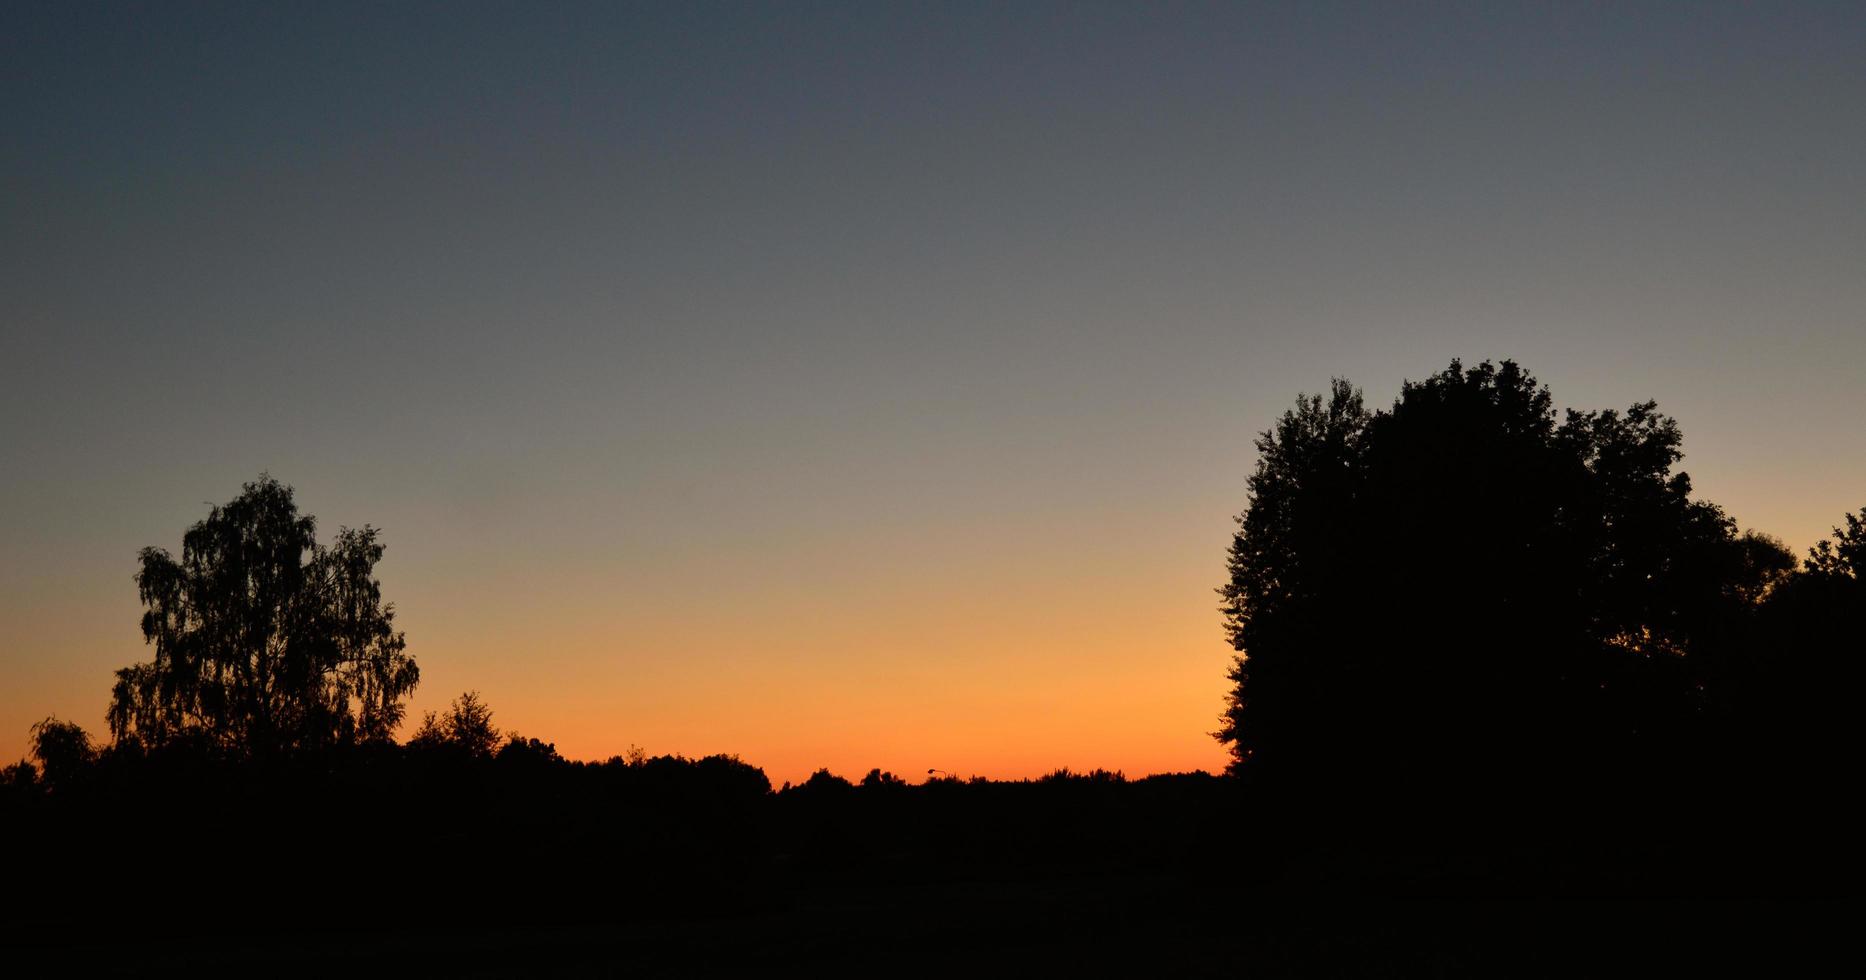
column 670, row 867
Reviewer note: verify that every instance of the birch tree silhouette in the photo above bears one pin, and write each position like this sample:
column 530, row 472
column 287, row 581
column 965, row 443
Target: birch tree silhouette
column 264, row 640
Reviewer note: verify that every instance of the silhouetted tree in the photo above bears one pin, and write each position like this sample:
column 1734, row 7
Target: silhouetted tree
column 1842, row 560
column 264, row 640
column 62, row 749
column 1289, row 561
column 876, row 779
column 1461, row 595
column 20, row 777
column 824, row 783
column 466, row 726
column 1801, row 679
column 1097, row 776
column 522, row 751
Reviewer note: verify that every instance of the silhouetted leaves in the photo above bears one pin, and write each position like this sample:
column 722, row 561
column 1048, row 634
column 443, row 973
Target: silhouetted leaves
column 465, row 727
column 1483, row 650
column 1463, row 602
column 1799, row 739
column 264, row 640
column 63, row 751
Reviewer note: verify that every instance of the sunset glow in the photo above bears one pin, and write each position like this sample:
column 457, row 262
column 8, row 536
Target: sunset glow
column 869, row 390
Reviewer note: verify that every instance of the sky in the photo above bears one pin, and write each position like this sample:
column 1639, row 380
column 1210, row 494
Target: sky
column 868, row 385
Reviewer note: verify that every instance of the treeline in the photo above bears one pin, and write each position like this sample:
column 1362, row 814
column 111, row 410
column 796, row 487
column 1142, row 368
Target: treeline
column 436, row 858
column 1483, row 647
column 1469, row 619
column 442, row 832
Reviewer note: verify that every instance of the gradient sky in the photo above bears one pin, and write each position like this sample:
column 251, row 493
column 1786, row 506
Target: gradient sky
column 868, row 385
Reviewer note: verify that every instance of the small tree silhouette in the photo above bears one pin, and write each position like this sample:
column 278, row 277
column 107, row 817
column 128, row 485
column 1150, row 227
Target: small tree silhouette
column 63, row 751
column 466, row 726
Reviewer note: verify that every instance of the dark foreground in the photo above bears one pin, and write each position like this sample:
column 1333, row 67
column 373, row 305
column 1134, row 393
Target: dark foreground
column 671, row 867
column 1026, row 928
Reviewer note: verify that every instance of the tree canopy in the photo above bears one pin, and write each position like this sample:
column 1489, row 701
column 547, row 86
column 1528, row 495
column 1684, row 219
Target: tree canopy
column 1467, row 589
column 264, row 640
column 466, row 727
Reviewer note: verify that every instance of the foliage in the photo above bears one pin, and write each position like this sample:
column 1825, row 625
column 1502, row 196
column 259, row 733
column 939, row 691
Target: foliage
column 824, row 782
column 1460, row 591
column 1097, row 776
column 465, row 727
column 20, row 777
column 1800, row 679
column 264, row 640
column 62, row 749
column 1843, row 557
column 1437, row 608
column 519, row 750
column 877, row 779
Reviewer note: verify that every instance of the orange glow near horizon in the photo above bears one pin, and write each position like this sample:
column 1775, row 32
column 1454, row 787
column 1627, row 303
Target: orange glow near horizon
column 996, row 652
column 868, row 386
column 990, row 649
column 1007, row 676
